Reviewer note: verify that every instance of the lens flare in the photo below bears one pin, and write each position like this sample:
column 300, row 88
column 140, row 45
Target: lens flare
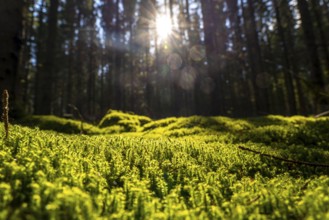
column 197, row 53
column 187, row 78
column 163, row 26
column 174, row 61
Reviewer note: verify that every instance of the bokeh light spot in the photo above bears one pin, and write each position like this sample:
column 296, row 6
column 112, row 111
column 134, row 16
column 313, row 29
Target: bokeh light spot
column 197, row 53
column 207, row 85
column 187, row 78
column 174, row 61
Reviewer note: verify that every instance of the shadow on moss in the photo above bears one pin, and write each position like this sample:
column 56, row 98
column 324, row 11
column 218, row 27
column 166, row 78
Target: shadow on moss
column 51, row 122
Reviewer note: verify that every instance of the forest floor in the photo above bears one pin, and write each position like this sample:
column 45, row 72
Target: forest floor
column 132, row 167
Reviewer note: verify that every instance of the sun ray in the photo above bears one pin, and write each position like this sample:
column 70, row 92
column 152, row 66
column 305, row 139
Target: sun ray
column 163, row 27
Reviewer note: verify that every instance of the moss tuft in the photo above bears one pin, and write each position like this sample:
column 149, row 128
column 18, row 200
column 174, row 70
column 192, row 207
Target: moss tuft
column 117, row 122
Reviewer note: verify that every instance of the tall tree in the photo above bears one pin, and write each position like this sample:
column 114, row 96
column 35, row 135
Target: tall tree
column 44, row 107
column 242, row 103
column 11, row 26
column 70, row 19
column 320, row 27
column 311, row 43
column 317, row 76
column 255, row 59
column 215, row 50
column 288, row 70
column 129, row 12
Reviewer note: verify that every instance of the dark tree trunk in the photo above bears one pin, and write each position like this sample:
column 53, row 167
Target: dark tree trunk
column 322, row 33
column 287, row 66
column 241, row 94
column 214, row 52
column 48, row 78
column 71, row 50
column 91, row 90
column 255, row 60
column 26, row 68
column 40, row 47
column 317, row 77
column 11, row 26
column 287, row 18
column 310, row 40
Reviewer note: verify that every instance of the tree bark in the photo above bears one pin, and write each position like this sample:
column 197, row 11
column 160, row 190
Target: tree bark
column 287, row 66
column 255, row 60
column 322, row 33
column 214, row 53
column 310, row 40
column 11, row 26
column 49, row 65
column 317, row 76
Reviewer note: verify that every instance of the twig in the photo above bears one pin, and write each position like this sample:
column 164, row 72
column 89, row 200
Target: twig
column 253, row 200
column 285, row 160
column 321, row 114
column 5, row 111
column 80, row 117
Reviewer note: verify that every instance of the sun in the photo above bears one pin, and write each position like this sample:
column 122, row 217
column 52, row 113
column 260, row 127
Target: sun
column 163, row 26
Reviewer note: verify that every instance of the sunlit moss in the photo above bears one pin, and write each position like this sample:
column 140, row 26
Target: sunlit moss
column 177, row 168
column 117, row 122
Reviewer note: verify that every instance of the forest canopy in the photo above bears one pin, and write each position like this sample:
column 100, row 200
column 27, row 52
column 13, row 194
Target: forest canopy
column 165, row 57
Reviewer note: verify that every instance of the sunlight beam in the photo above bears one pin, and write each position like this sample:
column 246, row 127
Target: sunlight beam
column 163, row 27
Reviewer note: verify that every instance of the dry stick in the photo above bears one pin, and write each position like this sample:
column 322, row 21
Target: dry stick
column 285, row 160
column 80, row 116
column 322, row 114
column 5, row 111
column 253, row 200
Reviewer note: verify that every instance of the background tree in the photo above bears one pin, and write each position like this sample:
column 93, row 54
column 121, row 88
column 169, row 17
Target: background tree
column 231, row 57
column 12, row 21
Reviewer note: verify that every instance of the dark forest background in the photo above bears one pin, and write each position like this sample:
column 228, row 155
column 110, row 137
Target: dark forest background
column 224, row 57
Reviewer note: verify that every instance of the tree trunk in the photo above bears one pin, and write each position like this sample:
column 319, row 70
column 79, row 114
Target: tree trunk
column 11, row 26
column 242, row 92
column 255, row 60
column 287, row 66
column 317, row 77
column 27, row 69
column 71, row 50
column 49, row 66
column 310, row 40
column 287, row 18
column 214, row 52
column 322, row 34
column 40, row 47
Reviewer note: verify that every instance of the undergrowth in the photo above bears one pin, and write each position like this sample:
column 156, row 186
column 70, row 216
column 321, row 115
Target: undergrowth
column 174, row 168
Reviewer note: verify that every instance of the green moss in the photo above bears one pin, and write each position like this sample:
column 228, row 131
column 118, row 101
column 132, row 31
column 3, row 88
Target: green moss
column 196, row 125
column 162, row 123
column 177, row 168
column 275, row 130
column 51, row 122
column 116, row 122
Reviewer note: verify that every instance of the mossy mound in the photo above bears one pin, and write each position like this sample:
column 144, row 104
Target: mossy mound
column 272, row 131
column 117, row 122
column 51, row 122
column 284, row 131
column 196, row 125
